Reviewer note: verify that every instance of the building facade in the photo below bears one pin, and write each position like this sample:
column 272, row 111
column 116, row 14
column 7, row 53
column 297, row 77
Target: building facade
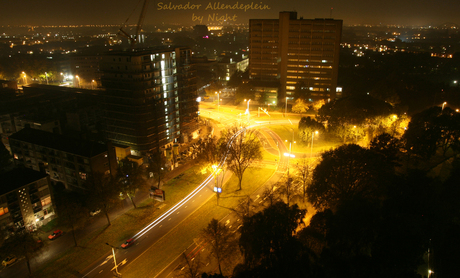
column 25, row 199
column 301, row 54
column 65, row 159
column 150, row 98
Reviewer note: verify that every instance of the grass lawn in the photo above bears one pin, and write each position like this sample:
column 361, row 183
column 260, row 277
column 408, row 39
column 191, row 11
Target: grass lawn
column 93, row 247
column 171, row 245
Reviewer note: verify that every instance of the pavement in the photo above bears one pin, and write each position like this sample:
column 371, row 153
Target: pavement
column 53, row 249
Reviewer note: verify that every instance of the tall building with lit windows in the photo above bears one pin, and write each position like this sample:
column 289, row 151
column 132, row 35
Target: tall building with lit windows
column 299, row 54
column 150, row 98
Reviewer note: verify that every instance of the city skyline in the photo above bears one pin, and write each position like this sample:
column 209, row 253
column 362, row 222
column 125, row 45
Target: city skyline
column 52, row 12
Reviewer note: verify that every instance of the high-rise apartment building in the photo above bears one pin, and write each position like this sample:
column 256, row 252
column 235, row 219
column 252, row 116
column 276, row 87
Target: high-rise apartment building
column 150, row 97
column 302, row 55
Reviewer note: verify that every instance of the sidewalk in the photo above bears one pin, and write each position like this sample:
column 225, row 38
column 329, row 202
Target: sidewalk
column 56, row 248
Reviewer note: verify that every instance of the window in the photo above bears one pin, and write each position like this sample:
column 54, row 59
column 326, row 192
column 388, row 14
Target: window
column 46, row 201
column 82, row 175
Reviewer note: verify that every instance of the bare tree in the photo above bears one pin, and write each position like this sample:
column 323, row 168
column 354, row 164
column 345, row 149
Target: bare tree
column 245, row 207
column 22, row 244
column 131, row 177
column 271, row 194
column 287, row 188
column 71, row 211
column 102, row 192
column 302, row 176
column 156, row 168
column 221, row 240
column 242, row 148
column 191, row 266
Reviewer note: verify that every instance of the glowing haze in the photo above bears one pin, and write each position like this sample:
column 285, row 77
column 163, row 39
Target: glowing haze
column 56, row 12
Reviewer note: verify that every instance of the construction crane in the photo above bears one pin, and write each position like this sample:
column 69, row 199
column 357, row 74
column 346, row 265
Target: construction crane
column 133, row 39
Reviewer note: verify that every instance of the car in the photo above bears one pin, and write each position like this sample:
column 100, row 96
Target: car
column 55, row 234
column 9, row 260
column 127, row 243
column 94, row 212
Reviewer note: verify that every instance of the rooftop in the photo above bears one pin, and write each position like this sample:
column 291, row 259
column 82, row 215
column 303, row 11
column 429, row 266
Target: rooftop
column 59, row 142
column 17, row 178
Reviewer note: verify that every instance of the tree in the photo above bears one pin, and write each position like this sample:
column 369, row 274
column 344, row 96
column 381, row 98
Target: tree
column 211, row 153
column 242, row 148
column 221, row 240
column 102, row 191
column 302, row 176
column 308, row 126
column 155, row 168
column 71, row 211
column 268, row 238
column 271, row 194
column 191, row 266
column 131, row 177
column 346, row 173
column 5, row 159
column 287, row 188
column 300, row 106
column 22, row 244
column 237, row 78
column 389, row 147
column 343, row 114
column 213, row 88
column 243, row 91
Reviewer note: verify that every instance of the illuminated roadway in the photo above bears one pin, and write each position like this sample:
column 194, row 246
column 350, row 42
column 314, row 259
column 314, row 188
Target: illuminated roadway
column 145, row 238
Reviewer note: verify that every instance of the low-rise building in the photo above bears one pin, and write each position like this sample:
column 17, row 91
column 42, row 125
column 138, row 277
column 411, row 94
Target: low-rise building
column 65, row 159
column 25, row 199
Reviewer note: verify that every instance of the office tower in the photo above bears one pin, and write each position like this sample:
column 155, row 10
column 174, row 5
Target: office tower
column 290, row 56
column 150, row 98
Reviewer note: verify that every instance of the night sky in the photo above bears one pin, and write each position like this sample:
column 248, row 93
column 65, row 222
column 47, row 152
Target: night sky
column 59, row 12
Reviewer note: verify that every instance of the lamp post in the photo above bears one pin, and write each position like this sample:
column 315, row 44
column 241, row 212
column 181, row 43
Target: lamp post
column 77, row 77
column 46, row 77
column 285, row 108
column 114, row 259
column 247, row 110
column 312, row 136
column 444, row 103
column 218, row 100
column 92, row 83
column 24, row 77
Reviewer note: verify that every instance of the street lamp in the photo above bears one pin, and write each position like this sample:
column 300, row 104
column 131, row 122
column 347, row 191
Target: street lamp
column 24, row 77
column 289, row 155
column 114, row 259
column 46, row 77
column 218, row 100
column 92, row 83
column 312, row 136
column 247, row 110
column 444, row 103
column 285, row 108
column 76, row 76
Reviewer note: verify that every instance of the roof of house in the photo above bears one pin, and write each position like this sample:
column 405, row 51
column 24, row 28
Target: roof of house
column 59, row 142
column 17, row 178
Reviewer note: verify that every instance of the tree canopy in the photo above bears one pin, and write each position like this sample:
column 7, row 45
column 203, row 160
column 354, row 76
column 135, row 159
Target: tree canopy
column 346, row 173
column 242, row 148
